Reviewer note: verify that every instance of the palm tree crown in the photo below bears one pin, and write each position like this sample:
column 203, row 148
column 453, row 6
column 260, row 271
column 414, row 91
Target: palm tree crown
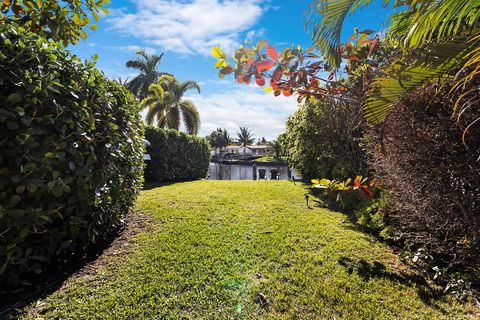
column 219, row 138
column 166, row 104
column 147, row 65
column 245, row 136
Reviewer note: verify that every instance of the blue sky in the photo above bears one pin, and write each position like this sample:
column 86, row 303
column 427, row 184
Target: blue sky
column 186, row 30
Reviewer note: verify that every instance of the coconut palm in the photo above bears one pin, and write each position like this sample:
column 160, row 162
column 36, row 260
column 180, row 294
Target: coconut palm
column 165, row 103
column 147, row 65
column 245, row 137
column 436, row 37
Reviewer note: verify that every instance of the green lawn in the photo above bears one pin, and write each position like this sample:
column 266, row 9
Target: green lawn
column 269, row 159
column 247, row 250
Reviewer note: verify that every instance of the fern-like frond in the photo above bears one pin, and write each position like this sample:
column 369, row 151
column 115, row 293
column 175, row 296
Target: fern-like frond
column 402, row 78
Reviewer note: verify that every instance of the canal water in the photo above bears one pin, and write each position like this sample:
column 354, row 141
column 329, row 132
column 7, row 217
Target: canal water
column 219, row 171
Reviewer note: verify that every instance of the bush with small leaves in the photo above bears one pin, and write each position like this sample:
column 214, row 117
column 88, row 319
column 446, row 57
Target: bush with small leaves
column 71, row 153
column 176, row 155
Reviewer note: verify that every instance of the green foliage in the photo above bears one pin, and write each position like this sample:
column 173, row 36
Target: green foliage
column 166, row 104
column 245, row 136
column 147, row 65
column 323, row 139
column 176, row 156
column 63, row 21
column 435, row 38
column 219, row 138
column 70, row 153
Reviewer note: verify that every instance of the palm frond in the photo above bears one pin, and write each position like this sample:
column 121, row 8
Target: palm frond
column 434, row 19
column 173, row 118
column 162, row 121
column 137, row 64
column 404, row 77
column 191, row 117
column 188, row 85
column 325, row 19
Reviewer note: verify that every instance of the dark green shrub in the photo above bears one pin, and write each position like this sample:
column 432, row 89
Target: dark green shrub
column 323, row 139
column 71, row 153
column 176, row 156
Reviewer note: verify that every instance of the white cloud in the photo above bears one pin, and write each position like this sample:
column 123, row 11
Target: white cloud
column 189, row 27
column 242, row 106
column 134, row 49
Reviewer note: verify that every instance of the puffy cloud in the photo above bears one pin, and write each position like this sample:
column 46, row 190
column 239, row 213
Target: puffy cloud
column 242, row 106
column 189, row 27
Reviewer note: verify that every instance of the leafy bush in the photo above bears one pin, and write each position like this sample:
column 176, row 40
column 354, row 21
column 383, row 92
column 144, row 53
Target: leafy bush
column 433, row 176
column 71, row 153
column 323, row 139
column 176, row 155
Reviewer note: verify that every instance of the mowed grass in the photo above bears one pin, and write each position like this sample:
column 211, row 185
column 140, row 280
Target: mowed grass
column 248, row 250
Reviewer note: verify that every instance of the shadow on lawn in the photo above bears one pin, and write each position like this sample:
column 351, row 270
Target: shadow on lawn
column 367, row 271
column 82, row 263
column 51, row 279
column 153, row 185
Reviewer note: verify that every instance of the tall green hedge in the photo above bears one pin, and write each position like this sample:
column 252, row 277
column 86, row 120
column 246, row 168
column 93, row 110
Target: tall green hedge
column 71, row 153
column 176, row 156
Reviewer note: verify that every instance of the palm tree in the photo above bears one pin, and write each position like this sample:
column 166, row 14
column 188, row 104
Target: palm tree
column 166, row 104
column 219, row 138
column 275, row 144
column 147, row 65
column 262, row 141
column 121, row 81
column 245, row 137
column 436, row 37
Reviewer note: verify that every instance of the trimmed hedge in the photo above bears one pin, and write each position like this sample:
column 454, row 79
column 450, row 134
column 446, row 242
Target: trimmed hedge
column 176, row 156
column 71, row 153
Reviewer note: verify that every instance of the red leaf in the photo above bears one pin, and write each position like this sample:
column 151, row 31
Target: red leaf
column 272, row 52
column 273, row 84
column 332, row 74
column 250, row 61
column 264, row 65
column 240, row 78
column 374, row 44
column 356, row 184
column 260, row 81
column 277, row 74
column 227, row 70
column 367, row 191
column 286, row 93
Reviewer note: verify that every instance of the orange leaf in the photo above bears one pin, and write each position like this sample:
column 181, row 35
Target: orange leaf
column 272, row 52
column 264, row 65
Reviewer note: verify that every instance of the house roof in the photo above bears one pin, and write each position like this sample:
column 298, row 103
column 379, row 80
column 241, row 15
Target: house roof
column 249, row 147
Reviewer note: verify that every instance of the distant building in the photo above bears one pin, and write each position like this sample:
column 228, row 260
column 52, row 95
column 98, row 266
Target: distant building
column 259, row 150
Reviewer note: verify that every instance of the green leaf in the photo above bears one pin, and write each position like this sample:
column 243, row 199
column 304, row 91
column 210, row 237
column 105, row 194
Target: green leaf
column 14, row 98
column 76, row 18
column 20, row 189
